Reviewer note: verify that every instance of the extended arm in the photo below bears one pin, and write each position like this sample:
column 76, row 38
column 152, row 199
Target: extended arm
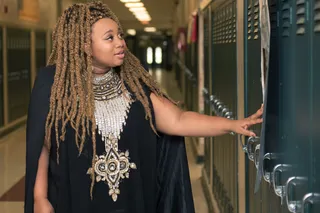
column 172, row 120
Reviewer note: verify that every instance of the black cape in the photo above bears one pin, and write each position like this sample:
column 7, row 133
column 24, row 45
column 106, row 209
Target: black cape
column 173, row 193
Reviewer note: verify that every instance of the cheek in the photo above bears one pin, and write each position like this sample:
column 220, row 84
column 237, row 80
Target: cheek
column 101, row 50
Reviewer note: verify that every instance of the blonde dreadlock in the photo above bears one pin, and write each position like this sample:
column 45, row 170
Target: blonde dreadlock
column 72, row 99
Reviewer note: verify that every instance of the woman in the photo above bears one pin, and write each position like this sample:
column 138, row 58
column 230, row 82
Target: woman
column 98, row 130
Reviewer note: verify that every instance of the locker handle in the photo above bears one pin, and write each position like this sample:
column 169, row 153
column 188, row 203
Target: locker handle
column 252, row 141
column 229, row 115
column 294, row 206
column 205, row 91
column 216, row 102
column 279, row 190
column 224, row 111
column 219, row 108
column 267, row 176
column 310, row 198
column 212, row 98
column 256, row 156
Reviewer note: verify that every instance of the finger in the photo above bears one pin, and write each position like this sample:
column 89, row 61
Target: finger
column 254, row 121
column 257, row 114
column 247, row 133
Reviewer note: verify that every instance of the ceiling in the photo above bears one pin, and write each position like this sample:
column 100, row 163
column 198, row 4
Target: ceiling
column 161, row 12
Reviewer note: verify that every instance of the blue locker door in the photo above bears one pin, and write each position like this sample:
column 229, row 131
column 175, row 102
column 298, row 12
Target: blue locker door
column 253, row 92
column 18, row 46
column 286, row 95
column 206, row 25
column 313, row 200
column 298, row 136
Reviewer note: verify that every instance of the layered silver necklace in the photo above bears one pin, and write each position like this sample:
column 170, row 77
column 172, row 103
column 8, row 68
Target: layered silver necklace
column 112, row 106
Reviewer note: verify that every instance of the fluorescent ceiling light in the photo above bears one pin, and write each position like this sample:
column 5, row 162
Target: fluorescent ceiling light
column 142, row 13
column 129, row 1
column 137, row 9
column 150, row 29
column 131, row 32
column 144, row 18
column 138, row 4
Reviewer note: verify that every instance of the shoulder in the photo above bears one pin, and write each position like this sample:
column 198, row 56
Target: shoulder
column 42, row 85
column 45, row 75
column 44, row 78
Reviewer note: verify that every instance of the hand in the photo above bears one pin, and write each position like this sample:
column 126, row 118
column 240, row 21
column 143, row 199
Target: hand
column 42, row 205
column 241, row 126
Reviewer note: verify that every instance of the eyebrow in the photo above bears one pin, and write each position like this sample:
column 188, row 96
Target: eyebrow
column 109, row 31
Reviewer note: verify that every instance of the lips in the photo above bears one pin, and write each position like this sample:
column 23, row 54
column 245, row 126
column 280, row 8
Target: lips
column 120, row 54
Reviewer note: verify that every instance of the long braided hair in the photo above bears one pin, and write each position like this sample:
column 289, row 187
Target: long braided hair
column 72, row 99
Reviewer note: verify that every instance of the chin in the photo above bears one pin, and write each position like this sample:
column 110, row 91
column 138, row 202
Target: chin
column 117, row 64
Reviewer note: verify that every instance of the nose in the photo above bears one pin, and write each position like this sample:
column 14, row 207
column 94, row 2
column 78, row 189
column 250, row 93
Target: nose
column 121, row 43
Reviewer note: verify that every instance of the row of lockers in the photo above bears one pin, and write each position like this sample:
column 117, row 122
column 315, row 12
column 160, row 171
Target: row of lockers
column 290, row 161
column 18, row 60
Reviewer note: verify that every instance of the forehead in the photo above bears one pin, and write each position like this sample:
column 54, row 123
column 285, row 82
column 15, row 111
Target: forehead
column 103, row 25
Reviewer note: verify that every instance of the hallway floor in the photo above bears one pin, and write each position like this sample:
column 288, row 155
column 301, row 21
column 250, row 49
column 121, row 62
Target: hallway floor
column 12, row 159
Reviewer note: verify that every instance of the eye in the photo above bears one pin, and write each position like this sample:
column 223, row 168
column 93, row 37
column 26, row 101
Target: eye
column 109, row 38
column 121, row 35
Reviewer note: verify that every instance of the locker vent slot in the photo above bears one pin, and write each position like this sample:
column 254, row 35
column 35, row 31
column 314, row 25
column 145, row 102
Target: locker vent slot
column 18, row 43
column 301, row 17
column 214, row 30
column 317, row 16
column 219, row 28
column 286, row 18
column 249, row 22
column 273, row 18
column 225, row 26
column 230, row 24
column 256, row 20
column 234, row 33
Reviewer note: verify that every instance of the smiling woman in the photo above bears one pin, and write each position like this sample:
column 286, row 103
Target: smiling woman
column 90, row 123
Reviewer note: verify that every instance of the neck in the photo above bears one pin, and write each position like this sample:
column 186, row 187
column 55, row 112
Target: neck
column 98, row 71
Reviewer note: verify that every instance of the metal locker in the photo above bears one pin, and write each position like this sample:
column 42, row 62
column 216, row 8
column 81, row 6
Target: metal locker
column 206, row 26
column 18, row 48
column 253, row 92
column 224, row 89
column 311, row 201
column 41, row 58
